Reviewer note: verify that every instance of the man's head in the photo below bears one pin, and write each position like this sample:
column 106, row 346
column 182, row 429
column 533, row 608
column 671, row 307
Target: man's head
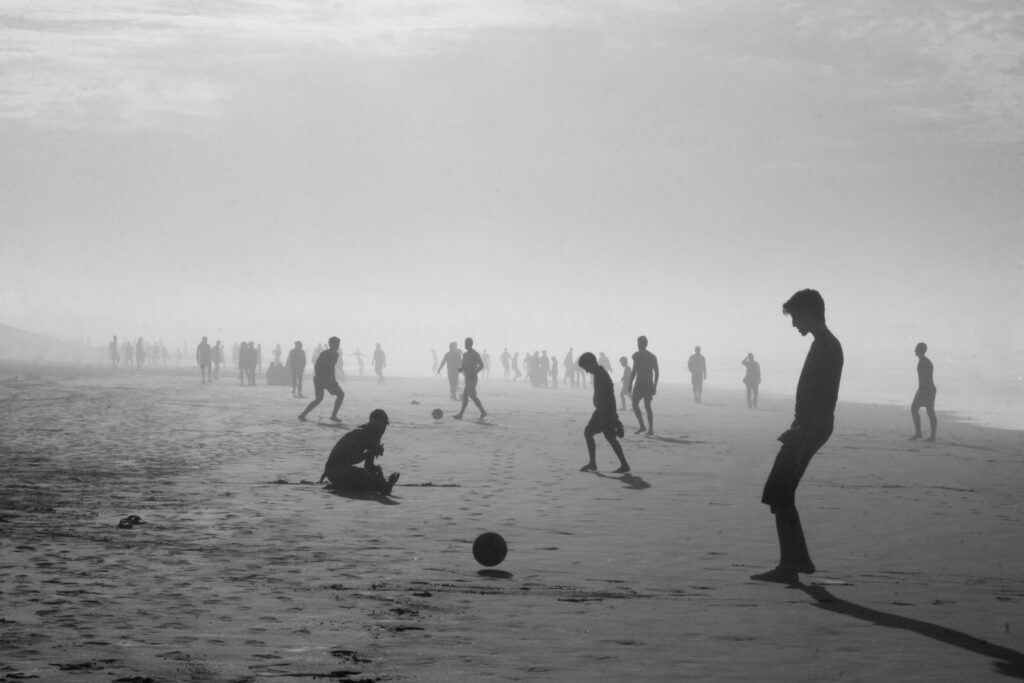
column 298, row 345
column 204, row 339
column 641, row 342
column 587, row 361
column 696, row 349
column 806, row 308
column 623, row 361
column 920, row 349
column 334, row 343
column 452, row 345
column 469, row 343
column 379, row 417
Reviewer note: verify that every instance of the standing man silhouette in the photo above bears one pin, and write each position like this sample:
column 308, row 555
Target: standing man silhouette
column 204, row 357
column 752, row 379
column 472, row 364
column 379, row 363
column 643, row 383
column 816, row 396
column 925, row 396
column 297, row 364
column 698, row 367
column 324, row 380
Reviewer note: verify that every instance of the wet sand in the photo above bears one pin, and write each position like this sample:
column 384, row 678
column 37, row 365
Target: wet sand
column 247, row 570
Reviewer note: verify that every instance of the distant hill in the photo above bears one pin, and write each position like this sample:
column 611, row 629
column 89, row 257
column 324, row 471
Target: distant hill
column 18, row 344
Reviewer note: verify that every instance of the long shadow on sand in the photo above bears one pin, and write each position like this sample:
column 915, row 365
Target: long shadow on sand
column 631, row 481
column 358, row 495
column 672, row 439
column 1007, row 662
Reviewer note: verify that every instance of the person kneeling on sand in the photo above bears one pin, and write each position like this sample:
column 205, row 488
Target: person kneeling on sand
column 361, row 445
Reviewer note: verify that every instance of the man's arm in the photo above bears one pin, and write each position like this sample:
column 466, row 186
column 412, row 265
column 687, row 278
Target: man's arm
column 657, row 374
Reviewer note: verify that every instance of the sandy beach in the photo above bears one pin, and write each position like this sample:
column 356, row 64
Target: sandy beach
column 247, row 570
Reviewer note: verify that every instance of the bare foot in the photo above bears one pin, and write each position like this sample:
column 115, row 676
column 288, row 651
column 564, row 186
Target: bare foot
column 915, row 437
column 622, row 470
column 335, row 418
column 302, row 418
column 640, row 430
column 589, row 468
column 779, row 575
column 457, row 417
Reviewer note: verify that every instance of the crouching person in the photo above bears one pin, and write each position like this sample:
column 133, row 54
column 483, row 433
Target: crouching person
column 360, row 446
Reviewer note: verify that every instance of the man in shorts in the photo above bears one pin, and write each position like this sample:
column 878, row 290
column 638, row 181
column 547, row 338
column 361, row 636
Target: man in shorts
column 324, row 380
column 472, row 364
column 360, row 446
column 816, row 396
column 605, row 419
column 643, row 383
column 925, row 396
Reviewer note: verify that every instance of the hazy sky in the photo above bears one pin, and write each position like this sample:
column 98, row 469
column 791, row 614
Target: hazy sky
column 535, row 174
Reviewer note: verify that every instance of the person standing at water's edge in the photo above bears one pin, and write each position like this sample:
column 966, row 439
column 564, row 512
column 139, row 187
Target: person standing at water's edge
column 453, row 359
column 472, row 364
column 925, row 396
column 816, row 394
column 605, row 419
column 698, row 367
column 643, row 383
column 751, row 379
column 324, row 380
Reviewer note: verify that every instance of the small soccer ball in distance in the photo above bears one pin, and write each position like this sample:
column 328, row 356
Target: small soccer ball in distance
column 438, row 413
column 489, row 549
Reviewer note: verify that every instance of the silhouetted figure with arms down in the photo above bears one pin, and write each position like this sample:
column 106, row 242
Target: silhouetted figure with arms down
column 204, row 358
column 643, row 383
column 379, row 363
column 816, row 396
column 698, row 367
column 752, row 379
column 297, row 365
column 360, row 446
column 925, row 396
column 115, row 353
column 605, row 419
column 472, row 364
column 453, row 359
column 324, row 380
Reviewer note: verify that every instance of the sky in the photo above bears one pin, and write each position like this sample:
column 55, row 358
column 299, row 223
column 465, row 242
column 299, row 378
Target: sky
column 537, row 175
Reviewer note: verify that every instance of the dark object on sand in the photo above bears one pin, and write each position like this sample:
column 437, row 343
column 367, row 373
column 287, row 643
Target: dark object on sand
column 489, row 549
column 437, row 414
column 129, row 522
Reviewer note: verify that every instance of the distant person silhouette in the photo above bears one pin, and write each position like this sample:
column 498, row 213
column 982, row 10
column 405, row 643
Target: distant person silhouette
column 505, row 357
column 277, row 354
column 360, row 446
column 324, row 380
column 816, row 396
column 204, row 358
column 453, row 360
column 643, row 383
column 254, row 360
column 569, row 367
column 752, row 379
column 698, row 367
column 379, row 363
column 554, row 372
column 433, row 366
column 472, row 364
column 296, row 363
column 627, row 372
column 115, row 354
column 925, row 396
column 140, row 353
column 217, row 356
column 605, row 419
column 515, row 366
column 486, row 358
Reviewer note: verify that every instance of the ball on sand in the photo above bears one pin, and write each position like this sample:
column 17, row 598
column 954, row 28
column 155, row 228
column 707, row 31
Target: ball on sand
column 438, row 413
column 489, row 549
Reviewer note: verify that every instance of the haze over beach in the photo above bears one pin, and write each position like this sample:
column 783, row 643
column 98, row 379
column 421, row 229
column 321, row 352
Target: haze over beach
column 536, row 176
